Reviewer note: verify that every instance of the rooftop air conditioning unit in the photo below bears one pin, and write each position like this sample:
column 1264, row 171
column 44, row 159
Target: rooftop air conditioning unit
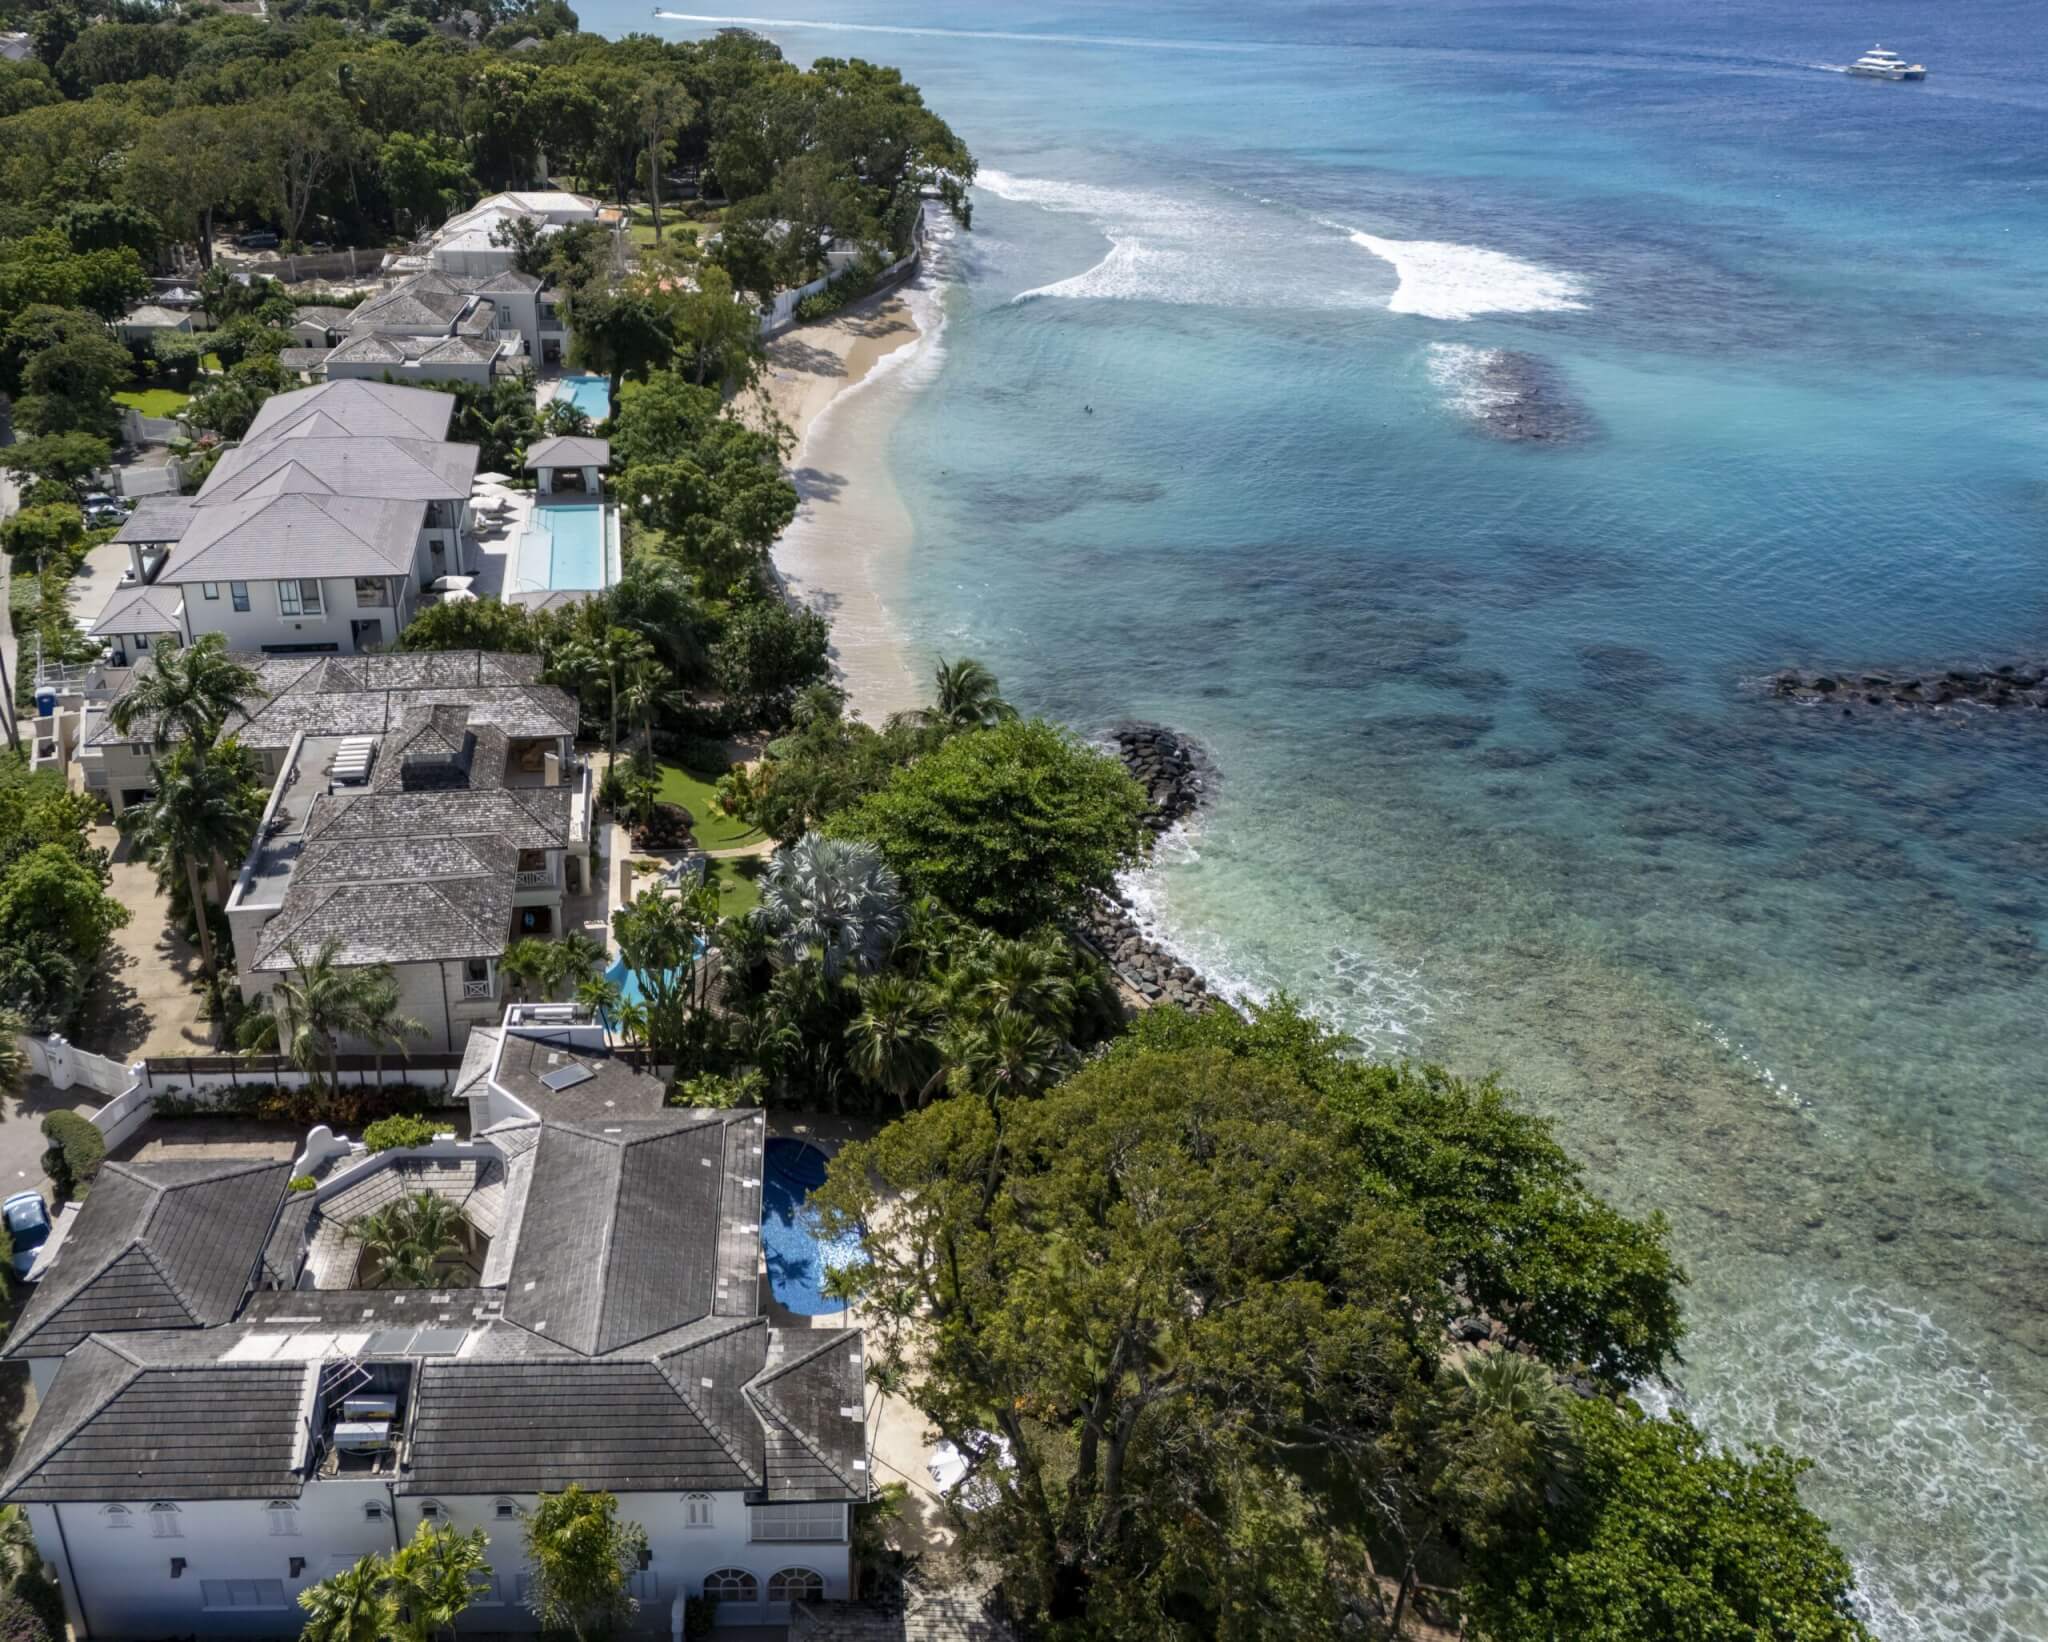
column 362, row 1437
column 369, row 1408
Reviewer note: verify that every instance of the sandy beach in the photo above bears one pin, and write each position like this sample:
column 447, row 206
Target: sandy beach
column 852, row 532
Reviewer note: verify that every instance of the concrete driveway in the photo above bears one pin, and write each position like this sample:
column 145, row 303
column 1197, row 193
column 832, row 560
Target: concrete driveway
column 21, row 1131
column 98, row 579
column 146, row 1001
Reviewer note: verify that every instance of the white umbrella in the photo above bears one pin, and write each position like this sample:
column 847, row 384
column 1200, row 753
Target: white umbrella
column 950, row 1468
column 494, row 478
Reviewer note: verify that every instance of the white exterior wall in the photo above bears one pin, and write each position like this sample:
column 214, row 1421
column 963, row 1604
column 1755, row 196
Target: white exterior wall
column 431, row 993
column 478, row 372
column 264, row 622
column 118, row 1579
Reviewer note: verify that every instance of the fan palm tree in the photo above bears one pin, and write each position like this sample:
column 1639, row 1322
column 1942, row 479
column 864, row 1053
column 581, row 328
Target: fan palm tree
column 200, row 812
column 967, row 698
column 351, row 1606
column 892, row 1036
column 834, row 897
column 188, row 692
column 1522, row 1393
column 320, row 1001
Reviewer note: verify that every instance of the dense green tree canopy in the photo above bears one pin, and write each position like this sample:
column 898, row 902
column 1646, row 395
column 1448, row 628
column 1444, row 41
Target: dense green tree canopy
column 1011, row 825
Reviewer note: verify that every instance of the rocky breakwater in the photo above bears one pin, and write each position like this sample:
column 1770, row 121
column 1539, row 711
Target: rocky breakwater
column 1178, row 780
column 1147, row 968
column 1174, row 771
column 2011, row 686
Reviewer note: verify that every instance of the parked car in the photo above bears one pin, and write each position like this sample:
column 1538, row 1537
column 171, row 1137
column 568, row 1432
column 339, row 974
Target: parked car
column 261, row 239
column 28, row 1221
column 100, row 508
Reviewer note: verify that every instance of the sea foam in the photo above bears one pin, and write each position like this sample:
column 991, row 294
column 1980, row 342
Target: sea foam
column 1437, row 279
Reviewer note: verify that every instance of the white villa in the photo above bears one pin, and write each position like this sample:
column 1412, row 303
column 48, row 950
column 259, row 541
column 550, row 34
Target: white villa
column 232, row 1409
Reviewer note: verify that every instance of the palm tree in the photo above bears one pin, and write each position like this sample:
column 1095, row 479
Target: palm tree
column 319, row 1002
column 409, row 1239
column 602, row 660
column 968, row 698
column 573, row 960
column 351, row 1606
column 190, row 691
column 1033, row 977
column 199, row 813
column 18, row 1553
column 435, row 1577
column 834, row 897
column 646, row 690
column 526, row 962
column 378, row 1019
column 1524, row 1394
column 892, row 1035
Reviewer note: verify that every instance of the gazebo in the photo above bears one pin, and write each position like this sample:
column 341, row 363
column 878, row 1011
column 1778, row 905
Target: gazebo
column 567, row 462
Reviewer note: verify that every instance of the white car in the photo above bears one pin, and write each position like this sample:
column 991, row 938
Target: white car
column 102, row 509
column 28, row 1223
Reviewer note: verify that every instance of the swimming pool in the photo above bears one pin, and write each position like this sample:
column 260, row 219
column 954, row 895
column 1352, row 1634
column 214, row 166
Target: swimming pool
column 799, row 1255
column 567, row 546
column 627, row 980
column 592, row 395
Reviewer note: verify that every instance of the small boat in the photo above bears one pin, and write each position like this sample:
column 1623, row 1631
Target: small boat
column 1879, row 64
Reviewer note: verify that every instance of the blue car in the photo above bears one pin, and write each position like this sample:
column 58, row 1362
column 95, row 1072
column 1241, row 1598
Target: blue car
column 28, row 1221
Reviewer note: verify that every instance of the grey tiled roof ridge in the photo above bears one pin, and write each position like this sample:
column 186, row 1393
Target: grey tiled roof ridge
column 624, row 1143
column 757, row 1388
column 718, row 1432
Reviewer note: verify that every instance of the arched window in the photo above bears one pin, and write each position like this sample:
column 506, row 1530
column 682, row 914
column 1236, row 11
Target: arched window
column 504, row 1508
column 696, row 1510
column 430, row 1510
column 373, row 1511
column 117, row 1516
column 796, row 1585
column 163, row 1520
column 732, row 1585
column 284, row 1518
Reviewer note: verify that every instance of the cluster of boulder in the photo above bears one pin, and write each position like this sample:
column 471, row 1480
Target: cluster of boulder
column 1172, row 769
column 2006, row 686
column 1141, row 964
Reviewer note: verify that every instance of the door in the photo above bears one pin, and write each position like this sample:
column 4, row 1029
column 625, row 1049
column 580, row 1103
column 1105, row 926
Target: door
column 367, row 632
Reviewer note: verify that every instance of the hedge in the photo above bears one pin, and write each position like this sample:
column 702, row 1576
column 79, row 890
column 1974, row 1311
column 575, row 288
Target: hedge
column 400, row 1129
column 342, row 1108
column 76, row 1151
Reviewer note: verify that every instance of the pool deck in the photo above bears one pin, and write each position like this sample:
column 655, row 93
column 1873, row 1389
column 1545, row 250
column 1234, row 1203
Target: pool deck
column 500, row 516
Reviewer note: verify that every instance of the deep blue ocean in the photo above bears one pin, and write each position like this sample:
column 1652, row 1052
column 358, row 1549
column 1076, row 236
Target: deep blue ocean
column 1216, row 433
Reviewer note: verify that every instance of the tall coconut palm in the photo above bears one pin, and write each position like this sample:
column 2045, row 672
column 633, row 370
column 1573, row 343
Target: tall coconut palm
column 645, row 690
column 602, row 661
column 832, row 897
column 187, row 692
column 967, row 698
column 199, row 813
column 351, row 1606
column 318, row 1003
column 571, row 961
column 891, row 1037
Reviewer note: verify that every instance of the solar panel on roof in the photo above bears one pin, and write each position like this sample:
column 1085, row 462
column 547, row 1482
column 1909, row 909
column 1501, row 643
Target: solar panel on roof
column 390, row 1342
column 567, row 1077
column 438, row 1342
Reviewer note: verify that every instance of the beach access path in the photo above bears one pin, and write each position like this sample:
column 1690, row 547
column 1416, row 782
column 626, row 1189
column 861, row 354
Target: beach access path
column 850, row 516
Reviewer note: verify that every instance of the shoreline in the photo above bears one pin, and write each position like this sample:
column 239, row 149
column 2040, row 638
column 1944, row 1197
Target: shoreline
column 852, row 531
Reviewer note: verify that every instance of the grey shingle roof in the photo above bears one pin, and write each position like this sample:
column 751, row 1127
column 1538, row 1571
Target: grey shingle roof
column 382, row 348
column 139, row 609
column 157, row 519
column 261, row 537
column 960, row 1615
column 612, row 1091
column 119, row 1426
column 568, row 451
column 390, row 922
column 352, row 408
column 527, row 818
column 162, row 1245
column 815, row 1448
column 609, row 1205
column 416, row 470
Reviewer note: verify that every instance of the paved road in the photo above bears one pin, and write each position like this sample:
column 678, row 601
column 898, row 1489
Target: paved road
column 10, row 499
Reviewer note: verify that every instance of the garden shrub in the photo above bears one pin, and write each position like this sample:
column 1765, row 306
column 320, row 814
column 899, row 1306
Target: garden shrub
column 400, row 1129
column 76, row 1151
column 342, row 1108
column 300, row 1183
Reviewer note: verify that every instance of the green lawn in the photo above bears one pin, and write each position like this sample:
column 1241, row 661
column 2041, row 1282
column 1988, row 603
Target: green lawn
column 739, row 883
column 692, row 790
column 153, row 401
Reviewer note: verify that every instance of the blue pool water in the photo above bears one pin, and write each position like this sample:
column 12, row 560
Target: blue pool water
column 798, row 1255
column 590, row 394
column 564, row 548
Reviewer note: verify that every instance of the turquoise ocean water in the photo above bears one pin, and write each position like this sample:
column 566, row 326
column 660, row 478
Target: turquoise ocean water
column 1212, row 435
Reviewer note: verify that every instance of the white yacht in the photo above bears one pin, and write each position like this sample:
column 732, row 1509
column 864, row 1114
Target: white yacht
column 1879, row 64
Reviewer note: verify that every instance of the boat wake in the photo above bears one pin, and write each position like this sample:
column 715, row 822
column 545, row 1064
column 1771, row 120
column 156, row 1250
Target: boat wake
column 1129, row 41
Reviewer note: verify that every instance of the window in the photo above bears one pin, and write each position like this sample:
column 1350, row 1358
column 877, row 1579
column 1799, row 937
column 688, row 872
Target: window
column 796, row 1585
column 504, row 1508
column 794, row 1522
column 242, row 1593
column 430, row 1510
column 696, row 1510
column 299, row 598
column 490, row 1594
column 209, row 590
column 504, row 316
column 372, row 591
column 732, row 1585
column 117, row 1516
column 284, row 1519
column 163, row 1521
column 238, row 595
column 373, row 1512
column 142, row 641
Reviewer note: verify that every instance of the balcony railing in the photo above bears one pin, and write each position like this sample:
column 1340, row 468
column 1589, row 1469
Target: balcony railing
column 476, row 989
column 534, row 878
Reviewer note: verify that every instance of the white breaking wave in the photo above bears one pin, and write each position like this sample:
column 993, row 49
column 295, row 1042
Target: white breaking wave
column 1133, row 41
column 1468, row 377
column 1441, row 280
